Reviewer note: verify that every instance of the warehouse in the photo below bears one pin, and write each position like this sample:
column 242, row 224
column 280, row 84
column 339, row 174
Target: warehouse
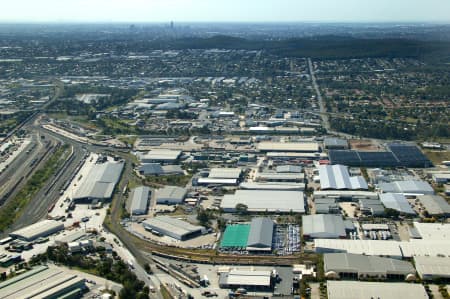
column 278, row 186
column 289, row 169
column 260, row 235
column 158, row 169
column 160, row 156
column 235, row 237
column 337, row 177
column 302, row 147
column 99, row 184
column 251, row 280
column 345, row 195
column 435, row 205
column 43, row 282
column 397, row 202
column 374, row 290
column 335, row 143
column 280, row 177
column 408, row 188
column 265, row 201
column 212, row 181
column 172, row 227
column 287, row 156
column 326, row 206
column 372, row 207
column 37, row 230
column 357, row 266
column 431, row 268
column 225, row 173
column 433, row 231
column 139, row 200
column 365, row 247
column 325, row 226
column 170, row 195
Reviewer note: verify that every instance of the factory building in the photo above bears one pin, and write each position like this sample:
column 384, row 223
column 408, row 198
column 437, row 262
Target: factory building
column 213, row 181
column 289, row 169
column 345, row 195
column 172, row 227
column 37, row 230
column 277, row 186
column 332, row 143
column 280, row 177
column 160, row 156
column 372, row 207
column 326, row 206
column 170, row 195
column 300, row 147
column 397, row 202
column 265, row 201
column 139, row 200
column 325, row 226
column 408, row 188
column 225, row 173
column 250, row 280
column 435, row 205
column 374, row 290
column 158, row 169
column 99, row 184
column 260, row 235
column 358, row 266
column 43, row 282
column 431, row 268
column 337, row 177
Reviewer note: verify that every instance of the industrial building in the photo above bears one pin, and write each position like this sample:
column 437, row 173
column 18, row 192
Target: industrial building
column 251, row 280
column 139, row 200
column 213, row 181
column 37, row 230
column 397, row 202
column 301, row 147
column 372, row 207
column 170, row 195
column 335, row 143
column 430, row 268
column 278, row 186
column 235, row 237
column 435, row 205
column 280, row 177
column 345, row 195
column 262, row 201
column 325, row 226
column 225, row 173
column 172, row 227
column 408, row 188
column 158, row 169
column 289, row 169
column 337, row 177
column 326, row 206
column 374, row 290
column 43, row 282
column 260, row 235
column 358, row 266
column 160, row 156
column 100, row 182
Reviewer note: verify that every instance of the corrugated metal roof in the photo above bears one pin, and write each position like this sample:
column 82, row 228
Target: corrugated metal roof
column 368, row 290
column 338, row 177
column 407, row 187
column 289, row 169
column 246, row 278
column 38, row 229
column 139, row 199
column 435, row 204
column 177, row 226
column 171, row 193
column 323, row 226
column 261, row 232
column 396, row 202
column 432, row 266
column 225, row 173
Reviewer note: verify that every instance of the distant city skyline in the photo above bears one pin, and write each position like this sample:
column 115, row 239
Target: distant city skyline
column 225, row 11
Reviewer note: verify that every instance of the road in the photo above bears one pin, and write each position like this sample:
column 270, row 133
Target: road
column 323, row 111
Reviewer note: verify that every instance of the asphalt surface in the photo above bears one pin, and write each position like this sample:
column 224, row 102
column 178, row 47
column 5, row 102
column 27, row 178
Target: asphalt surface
column 323, row 111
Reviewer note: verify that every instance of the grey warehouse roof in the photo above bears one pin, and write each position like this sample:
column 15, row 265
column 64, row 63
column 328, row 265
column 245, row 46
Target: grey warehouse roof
column 225, row 173
column 39, row 229
column 174, row 225
column 335, row 142
column 396, row 202
column 261, row 232
column 347, row 262
column 100, row 182
column 430, row 267
column 435, row 204
column 289, row 169
column 338, row 177
column 323, row 226
column 407, row 187
column 139, row 199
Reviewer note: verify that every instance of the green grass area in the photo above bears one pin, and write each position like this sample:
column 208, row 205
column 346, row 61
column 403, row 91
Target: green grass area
column 438, row 156
column 129, row 139
column 12, row 210
column 174, row 180
column 235, row 236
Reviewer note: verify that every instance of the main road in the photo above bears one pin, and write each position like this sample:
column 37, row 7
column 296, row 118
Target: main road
column 323, row 110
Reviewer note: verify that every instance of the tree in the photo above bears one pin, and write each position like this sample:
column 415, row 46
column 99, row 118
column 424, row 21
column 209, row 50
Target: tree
column 241, row 209
column 203, row 217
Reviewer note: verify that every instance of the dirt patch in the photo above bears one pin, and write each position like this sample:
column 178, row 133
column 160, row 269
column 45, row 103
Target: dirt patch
column 364, row 145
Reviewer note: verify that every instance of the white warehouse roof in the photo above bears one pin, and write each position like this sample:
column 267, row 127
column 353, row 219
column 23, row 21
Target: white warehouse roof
column 323, row 226
column 435, row 204
column 171, row 226
column 39, row 229
column 396, row 201
column 261, row 201
column 288, row 147
column 338, row 177
column 407, row 187
column 139, row 200
column 374, row 290
column 432, row 267
column 225, row 173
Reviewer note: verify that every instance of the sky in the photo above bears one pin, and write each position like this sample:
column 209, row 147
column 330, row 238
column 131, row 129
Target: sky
column 225, row 11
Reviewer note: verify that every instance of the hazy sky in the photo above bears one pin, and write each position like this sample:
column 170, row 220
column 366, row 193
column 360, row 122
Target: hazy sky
column 225, row 10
